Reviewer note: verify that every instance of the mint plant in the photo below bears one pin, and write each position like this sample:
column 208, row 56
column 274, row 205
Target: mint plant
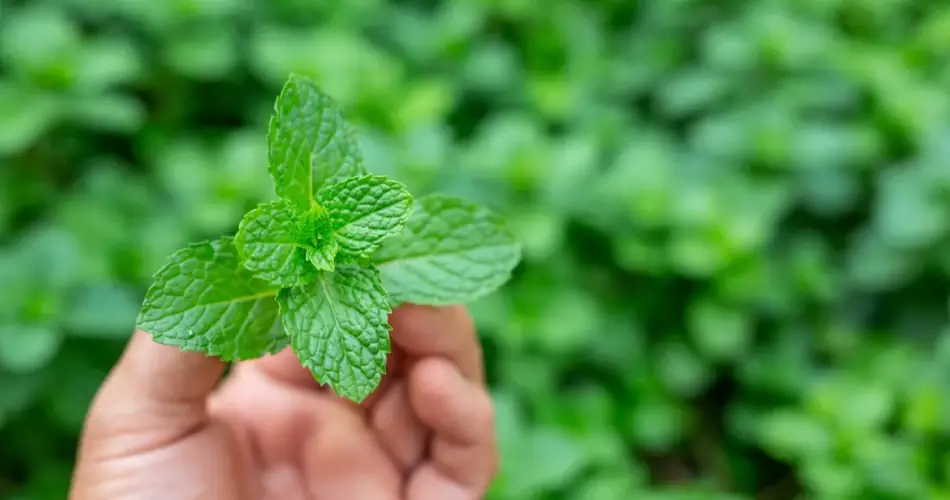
column 320, row 268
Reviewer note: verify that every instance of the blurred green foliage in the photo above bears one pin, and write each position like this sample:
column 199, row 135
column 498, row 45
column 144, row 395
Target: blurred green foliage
column 736, row 218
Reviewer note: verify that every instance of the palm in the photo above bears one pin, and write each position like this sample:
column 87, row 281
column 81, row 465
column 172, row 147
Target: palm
column 271, row 432
column 300, row 441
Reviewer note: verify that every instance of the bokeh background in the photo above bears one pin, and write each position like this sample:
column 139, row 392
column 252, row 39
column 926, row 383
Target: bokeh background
column 735, row 216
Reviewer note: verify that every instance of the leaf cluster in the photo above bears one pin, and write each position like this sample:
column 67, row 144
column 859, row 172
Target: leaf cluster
column 320, row 268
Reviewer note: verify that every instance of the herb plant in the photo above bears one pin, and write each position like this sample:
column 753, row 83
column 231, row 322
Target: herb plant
column 321, row 267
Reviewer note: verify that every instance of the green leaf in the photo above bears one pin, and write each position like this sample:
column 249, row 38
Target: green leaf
column 27, row 114
column 309, row 143
column 108, row 112
column 270, row 244
column 204, row 300
column 365, row 210
column 27, row 348
column 323, row 258
column 793, row 434
column 204, row 54
column 339, row 328
column 19, row 392
column 102, row 310
column 450, row 252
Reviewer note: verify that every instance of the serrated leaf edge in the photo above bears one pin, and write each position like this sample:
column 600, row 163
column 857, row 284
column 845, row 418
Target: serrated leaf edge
column 227, row 240
column 400, row 225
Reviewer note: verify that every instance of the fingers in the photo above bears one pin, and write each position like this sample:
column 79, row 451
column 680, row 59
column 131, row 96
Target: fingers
column 399, row 430
column 154, row 395
column 283, row 367
column 309, row 445
column 344, row 460
column 463, row 455
column 272, row 419
column 446, row 394
column 417, row 331
column 446, row 332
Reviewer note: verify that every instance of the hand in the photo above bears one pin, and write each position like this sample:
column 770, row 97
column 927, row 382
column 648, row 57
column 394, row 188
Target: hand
column 160, row 429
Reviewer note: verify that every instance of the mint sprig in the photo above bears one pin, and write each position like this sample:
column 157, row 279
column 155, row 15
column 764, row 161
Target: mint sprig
column 320, row 268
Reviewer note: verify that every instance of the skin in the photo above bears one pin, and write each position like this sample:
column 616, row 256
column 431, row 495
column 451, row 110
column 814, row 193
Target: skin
column 164, row 425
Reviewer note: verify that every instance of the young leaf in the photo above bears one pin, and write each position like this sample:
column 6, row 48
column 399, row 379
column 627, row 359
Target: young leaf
column 365, row 210
column 309, row 143
column 204, row 300
column 271, row 247
column 450, row 252
column 323, row 258
column 339, row 328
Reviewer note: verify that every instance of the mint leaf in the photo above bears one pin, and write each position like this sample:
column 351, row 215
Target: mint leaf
column 27, row 348
column 339, row 328
column 204, row 300
column 309, row 270
column 450, row 252
column 270, row 245
column 323, row 258
column 365, row 210
column 309, row 143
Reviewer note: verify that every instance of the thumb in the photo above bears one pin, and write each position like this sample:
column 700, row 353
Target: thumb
column 154, row 395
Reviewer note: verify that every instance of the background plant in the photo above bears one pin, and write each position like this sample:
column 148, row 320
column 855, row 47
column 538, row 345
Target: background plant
column 735, row 216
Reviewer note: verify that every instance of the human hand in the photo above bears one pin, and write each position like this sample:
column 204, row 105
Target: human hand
column 160, row 429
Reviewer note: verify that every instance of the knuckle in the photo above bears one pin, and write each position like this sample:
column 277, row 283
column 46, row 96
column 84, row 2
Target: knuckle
column 483, row 412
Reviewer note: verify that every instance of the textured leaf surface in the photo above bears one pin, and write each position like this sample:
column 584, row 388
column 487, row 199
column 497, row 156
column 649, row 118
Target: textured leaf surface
column 450, row 252
column 339, row 328
column 323, row 258
column 203, row 300
column 309, row 143
column 270, row 246
column 365, row 210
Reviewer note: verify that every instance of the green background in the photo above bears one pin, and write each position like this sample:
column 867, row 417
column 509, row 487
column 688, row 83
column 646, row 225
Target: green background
column 735, row 217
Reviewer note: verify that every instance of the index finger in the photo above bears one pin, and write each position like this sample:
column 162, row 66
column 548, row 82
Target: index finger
column 446, row 332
